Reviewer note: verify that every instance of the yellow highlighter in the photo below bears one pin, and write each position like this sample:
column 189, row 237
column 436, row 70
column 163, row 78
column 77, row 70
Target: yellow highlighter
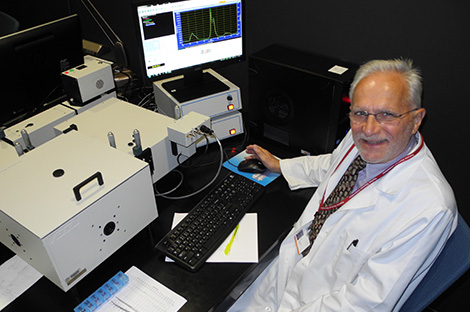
column 229, row 245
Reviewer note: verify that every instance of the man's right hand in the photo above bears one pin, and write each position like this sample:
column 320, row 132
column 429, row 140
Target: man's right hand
column 268, row 160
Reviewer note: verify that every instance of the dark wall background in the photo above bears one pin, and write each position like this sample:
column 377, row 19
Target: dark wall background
column 435, row 34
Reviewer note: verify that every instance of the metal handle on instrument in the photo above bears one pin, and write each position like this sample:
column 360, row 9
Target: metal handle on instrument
column 76, row 189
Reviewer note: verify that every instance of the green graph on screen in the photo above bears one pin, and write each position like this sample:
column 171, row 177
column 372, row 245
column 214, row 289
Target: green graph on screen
column 209, row 23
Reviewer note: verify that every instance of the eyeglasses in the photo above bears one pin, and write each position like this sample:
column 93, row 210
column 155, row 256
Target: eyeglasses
column 381, row 117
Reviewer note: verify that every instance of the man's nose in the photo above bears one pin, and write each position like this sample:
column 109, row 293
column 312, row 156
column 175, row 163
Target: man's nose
column 371, row 126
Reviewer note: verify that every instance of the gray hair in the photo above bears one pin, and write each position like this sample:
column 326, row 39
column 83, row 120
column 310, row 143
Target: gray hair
column 401, row 66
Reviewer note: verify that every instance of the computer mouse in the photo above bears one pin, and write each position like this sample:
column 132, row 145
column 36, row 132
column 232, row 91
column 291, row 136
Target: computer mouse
column 251, row 165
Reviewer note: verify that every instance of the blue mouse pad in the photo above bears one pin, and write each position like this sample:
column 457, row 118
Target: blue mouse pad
column 262, row 178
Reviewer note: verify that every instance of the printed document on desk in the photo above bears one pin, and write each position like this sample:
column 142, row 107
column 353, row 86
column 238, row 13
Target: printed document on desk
column 143, row 294
column 262, row 178
column 16, row 276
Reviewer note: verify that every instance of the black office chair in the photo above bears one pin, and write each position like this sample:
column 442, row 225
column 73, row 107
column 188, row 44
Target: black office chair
column 8, row 24
column 451, row 264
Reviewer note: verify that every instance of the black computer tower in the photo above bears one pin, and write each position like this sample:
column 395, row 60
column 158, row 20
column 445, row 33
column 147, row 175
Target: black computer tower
column 299, row 100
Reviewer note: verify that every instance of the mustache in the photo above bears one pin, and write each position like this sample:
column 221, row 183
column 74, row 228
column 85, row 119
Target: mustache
column 373, row 138
column 362, row 136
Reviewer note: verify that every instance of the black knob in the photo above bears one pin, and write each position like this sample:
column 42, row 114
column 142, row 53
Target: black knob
column 13, row 237
column 109, row 228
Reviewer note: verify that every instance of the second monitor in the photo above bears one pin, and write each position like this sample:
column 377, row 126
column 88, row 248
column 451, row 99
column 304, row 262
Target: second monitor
column 185, row 37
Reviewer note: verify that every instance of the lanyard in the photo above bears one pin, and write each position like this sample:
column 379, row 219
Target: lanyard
column 344, row 201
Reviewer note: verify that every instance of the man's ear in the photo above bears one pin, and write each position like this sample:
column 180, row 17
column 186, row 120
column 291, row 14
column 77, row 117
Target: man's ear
column 418, row 119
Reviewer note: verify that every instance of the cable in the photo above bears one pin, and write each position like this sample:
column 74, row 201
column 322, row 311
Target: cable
column 158, row 194
column 206, row 147
column 145, row 100
column 102, row 19
column 208, row 131
column 173, row 189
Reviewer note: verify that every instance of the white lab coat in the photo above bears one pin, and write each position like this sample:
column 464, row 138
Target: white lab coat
column 400, row 222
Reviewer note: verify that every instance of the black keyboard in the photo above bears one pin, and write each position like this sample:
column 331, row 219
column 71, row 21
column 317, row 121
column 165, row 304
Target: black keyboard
column 209, row 223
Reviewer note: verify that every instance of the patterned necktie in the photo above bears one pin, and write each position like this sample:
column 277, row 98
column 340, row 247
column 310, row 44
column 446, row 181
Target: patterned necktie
column 341, row 191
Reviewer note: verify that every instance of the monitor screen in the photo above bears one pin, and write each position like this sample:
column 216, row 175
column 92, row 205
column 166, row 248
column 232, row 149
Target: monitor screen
column 184, row 37
column 31, row 62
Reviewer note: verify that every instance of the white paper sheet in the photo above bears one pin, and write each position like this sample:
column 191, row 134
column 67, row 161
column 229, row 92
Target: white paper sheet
column 143, row 294
column 16, row 276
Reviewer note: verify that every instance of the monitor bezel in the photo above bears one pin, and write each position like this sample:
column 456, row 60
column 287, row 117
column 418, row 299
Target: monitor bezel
column 187, row 71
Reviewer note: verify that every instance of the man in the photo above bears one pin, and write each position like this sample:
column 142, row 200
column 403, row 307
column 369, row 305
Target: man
column 372, row 250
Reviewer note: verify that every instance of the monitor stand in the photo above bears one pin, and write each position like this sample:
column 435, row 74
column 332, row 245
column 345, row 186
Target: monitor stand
column 193, row 86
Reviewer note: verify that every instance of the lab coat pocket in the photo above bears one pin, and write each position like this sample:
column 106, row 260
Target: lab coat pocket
column 349, row 262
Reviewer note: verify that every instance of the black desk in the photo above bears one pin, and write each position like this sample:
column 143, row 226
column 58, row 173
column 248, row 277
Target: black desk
column 206, row 290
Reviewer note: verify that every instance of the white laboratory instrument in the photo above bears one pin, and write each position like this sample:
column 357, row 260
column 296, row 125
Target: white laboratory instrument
column 223, row 107
column 72, row 202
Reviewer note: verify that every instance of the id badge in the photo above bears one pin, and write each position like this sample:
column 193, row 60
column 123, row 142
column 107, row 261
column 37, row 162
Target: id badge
column 301, row 239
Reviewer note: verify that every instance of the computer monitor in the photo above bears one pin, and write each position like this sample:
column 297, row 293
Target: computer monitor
column 186, row 37
column 31, row 62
